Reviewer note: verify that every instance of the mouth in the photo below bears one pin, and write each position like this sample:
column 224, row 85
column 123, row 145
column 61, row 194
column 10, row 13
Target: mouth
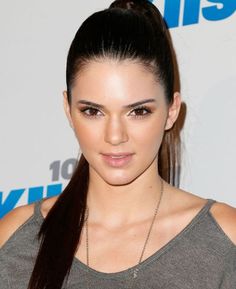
column 117, row 160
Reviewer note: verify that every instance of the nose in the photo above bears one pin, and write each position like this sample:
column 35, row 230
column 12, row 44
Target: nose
column 115, row 131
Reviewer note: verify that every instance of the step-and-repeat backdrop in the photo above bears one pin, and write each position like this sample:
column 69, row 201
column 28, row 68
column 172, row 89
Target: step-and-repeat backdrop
column 38, row 149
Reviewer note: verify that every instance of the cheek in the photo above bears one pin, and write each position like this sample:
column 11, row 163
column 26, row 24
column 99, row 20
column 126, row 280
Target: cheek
column 148, row 135
column 87, row 134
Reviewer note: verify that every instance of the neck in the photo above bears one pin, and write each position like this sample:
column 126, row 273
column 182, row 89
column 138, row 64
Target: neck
column 115, row 206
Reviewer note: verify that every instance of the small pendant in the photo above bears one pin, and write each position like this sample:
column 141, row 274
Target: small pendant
column 135, row 273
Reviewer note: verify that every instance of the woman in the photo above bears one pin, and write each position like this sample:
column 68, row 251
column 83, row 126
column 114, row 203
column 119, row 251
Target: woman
column 120, row 222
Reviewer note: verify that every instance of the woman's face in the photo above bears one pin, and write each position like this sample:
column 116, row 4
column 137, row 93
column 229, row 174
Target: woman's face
column 119, row 114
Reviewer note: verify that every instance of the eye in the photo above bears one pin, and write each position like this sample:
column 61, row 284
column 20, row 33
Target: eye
column 141, row 112
column 90, row 111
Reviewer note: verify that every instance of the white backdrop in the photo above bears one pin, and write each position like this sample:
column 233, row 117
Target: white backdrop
column 37, row 145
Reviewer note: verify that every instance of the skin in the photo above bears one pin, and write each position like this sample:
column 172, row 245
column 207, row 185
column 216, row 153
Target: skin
column 122, row 200
column 115, row 129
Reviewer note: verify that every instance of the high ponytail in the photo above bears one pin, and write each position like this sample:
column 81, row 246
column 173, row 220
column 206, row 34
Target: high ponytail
column 126, row 30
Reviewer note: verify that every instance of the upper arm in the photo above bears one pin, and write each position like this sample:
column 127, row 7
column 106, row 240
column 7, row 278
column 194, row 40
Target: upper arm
column 225, row 216
column 13, row 220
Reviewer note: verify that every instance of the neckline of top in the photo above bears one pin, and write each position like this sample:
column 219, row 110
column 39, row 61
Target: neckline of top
column 126, row 272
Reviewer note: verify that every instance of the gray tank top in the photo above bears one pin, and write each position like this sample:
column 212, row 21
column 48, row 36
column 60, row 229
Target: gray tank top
column 201, row 256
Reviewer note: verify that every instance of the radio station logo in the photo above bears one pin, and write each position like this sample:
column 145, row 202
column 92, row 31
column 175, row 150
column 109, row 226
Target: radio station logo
column 192, row 10
column 60, row 172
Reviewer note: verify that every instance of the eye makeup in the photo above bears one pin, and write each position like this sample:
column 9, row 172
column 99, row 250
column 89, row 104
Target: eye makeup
column 142, row 108
column 93, row 111
column 141, row 111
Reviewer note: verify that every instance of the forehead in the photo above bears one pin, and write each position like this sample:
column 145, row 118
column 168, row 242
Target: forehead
column 112, row 79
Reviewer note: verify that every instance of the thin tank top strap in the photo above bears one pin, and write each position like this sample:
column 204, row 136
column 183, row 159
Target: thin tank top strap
column 37, row 209
column 208, row 205
column 203, row 211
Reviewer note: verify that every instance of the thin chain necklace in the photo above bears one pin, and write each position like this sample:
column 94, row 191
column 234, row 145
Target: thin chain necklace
column 136, row 270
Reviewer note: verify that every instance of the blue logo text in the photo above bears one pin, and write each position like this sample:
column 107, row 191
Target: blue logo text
column 192, row 9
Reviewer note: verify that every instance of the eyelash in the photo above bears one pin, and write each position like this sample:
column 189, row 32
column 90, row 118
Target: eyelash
column 143, row 107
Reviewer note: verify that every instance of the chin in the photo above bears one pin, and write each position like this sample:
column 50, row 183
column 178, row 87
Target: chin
column 116, row 177
column 120, row 180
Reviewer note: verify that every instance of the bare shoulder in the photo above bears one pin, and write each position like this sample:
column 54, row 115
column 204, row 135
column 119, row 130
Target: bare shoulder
column 225, row 215
column 13, row 220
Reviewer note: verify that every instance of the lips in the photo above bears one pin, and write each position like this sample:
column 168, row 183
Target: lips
column 117, row 159
column 117, row 154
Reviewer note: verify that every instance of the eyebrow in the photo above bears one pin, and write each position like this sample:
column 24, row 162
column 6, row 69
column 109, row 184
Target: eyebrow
column 100, row 106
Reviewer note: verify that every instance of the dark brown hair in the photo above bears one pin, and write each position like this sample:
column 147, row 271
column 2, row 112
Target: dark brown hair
column 132, row 30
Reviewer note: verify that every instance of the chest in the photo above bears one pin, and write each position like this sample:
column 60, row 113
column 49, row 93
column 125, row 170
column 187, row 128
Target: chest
column 172, row 267
column 112, row 251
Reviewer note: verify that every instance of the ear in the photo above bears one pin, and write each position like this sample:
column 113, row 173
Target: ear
column 173, row 111
column 67, row 108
